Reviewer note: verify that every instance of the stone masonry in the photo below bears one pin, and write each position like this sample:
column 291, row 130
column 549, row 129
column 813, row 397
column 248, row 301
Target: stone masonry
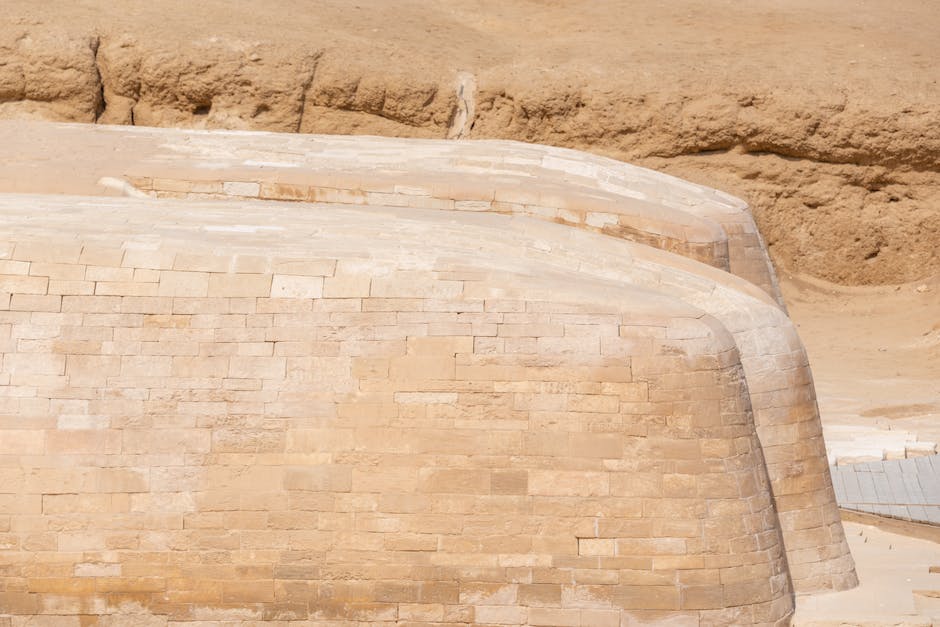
column 217, row 407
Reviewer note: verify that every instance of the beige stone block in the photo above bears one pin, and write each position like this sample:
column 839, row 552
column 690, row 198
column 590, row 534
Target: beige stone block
column 35, row 302
column 251, row 264
column 651, row 546
column 537, row 330
column 637, row 484
column 745, row 593
column 601, row 618
column 597, row 546
column 33, row 364
column 91, row 304
column 257, row 367
column 20, row 603
column 122, row 480
column 146, row 305
column 192, row 262
column 556, row 617
column 58, row 271
column 421, row 612
column 15, row 284
column 175, row 283
column 142, row 441
column 97, row 569
column 414, row 368
column 109, row 273
column 52, row 481
column 292, row 520
column 331, row 478
column 92, row 255
column 284, row 191
column 71, row 287
column 488, row 593
column 347, row 285
column 91, row 370
column 171, row 185
column 239, row 285
column 130, row 584
column 413, row 285
column 239, row 188
column 305, row 267
column 57, row 585
column 44, row 252
column 569, row 345
column 514, row 482
column 134, row 288
column 148, row 258
column 21, row 442
column 567, row 483
column 500, row 614
column 13, row 504
column 78, row 347
column 10, row 267
column 411, row 542
column 288, row 286
column 596, row 445
column 439, row 345
column 146, row 366
column 454, row 481
column 370, row 368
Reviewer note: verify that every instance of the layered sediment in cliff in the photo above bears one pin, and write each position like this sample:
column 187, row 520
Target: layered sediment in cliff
column 830, row 128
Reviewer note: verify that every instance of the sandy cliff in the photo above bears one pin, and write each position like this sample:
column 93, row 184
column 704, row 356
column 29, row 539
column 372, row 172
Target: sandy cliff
column 824, row 115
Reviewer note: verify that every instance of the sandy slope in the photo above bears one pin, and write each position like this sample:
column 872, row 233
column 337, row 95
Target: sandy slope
column 875, row 354
column 824, row 114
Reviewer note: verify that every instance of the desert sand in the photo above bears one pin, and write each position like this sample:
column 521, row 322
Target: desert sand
column 898, row 584
column 875, row 353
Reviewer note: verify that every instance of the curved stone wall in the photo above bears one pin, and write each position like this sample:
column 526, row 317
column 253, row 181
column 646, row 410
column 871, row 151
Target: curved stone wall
column 248, row 410
column 555, row 184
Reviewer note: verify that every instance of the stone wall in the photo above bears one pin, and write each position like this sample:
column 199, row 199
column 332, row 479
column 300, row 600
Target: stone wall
column 323, row 444
column 241, row 410
column 554, row 184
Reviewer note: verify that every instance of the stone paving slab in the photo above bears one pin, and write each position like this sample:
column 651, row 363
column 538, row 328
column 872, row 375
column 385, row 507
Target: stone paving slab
column 908, row 489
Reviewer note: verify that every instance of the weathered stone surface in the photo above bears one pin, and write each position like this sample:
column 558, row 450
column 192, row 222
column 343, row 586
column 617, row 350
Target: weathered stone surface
column 557, row 185
column 392, row 413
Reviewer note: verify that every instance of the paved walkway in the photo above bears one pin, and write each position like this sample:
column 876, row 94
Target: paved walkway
column 908, row 489
column 850, row 444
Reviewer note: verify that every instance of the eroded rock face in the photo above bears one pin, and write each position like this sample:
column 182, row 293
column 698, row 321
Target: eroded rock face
column 408, row 409
column 830, row 131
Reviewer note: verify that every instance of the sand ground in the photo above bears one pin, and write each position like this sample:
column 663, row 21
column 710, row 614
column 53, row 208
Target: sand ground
column 875, row 355
column 894, row 575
